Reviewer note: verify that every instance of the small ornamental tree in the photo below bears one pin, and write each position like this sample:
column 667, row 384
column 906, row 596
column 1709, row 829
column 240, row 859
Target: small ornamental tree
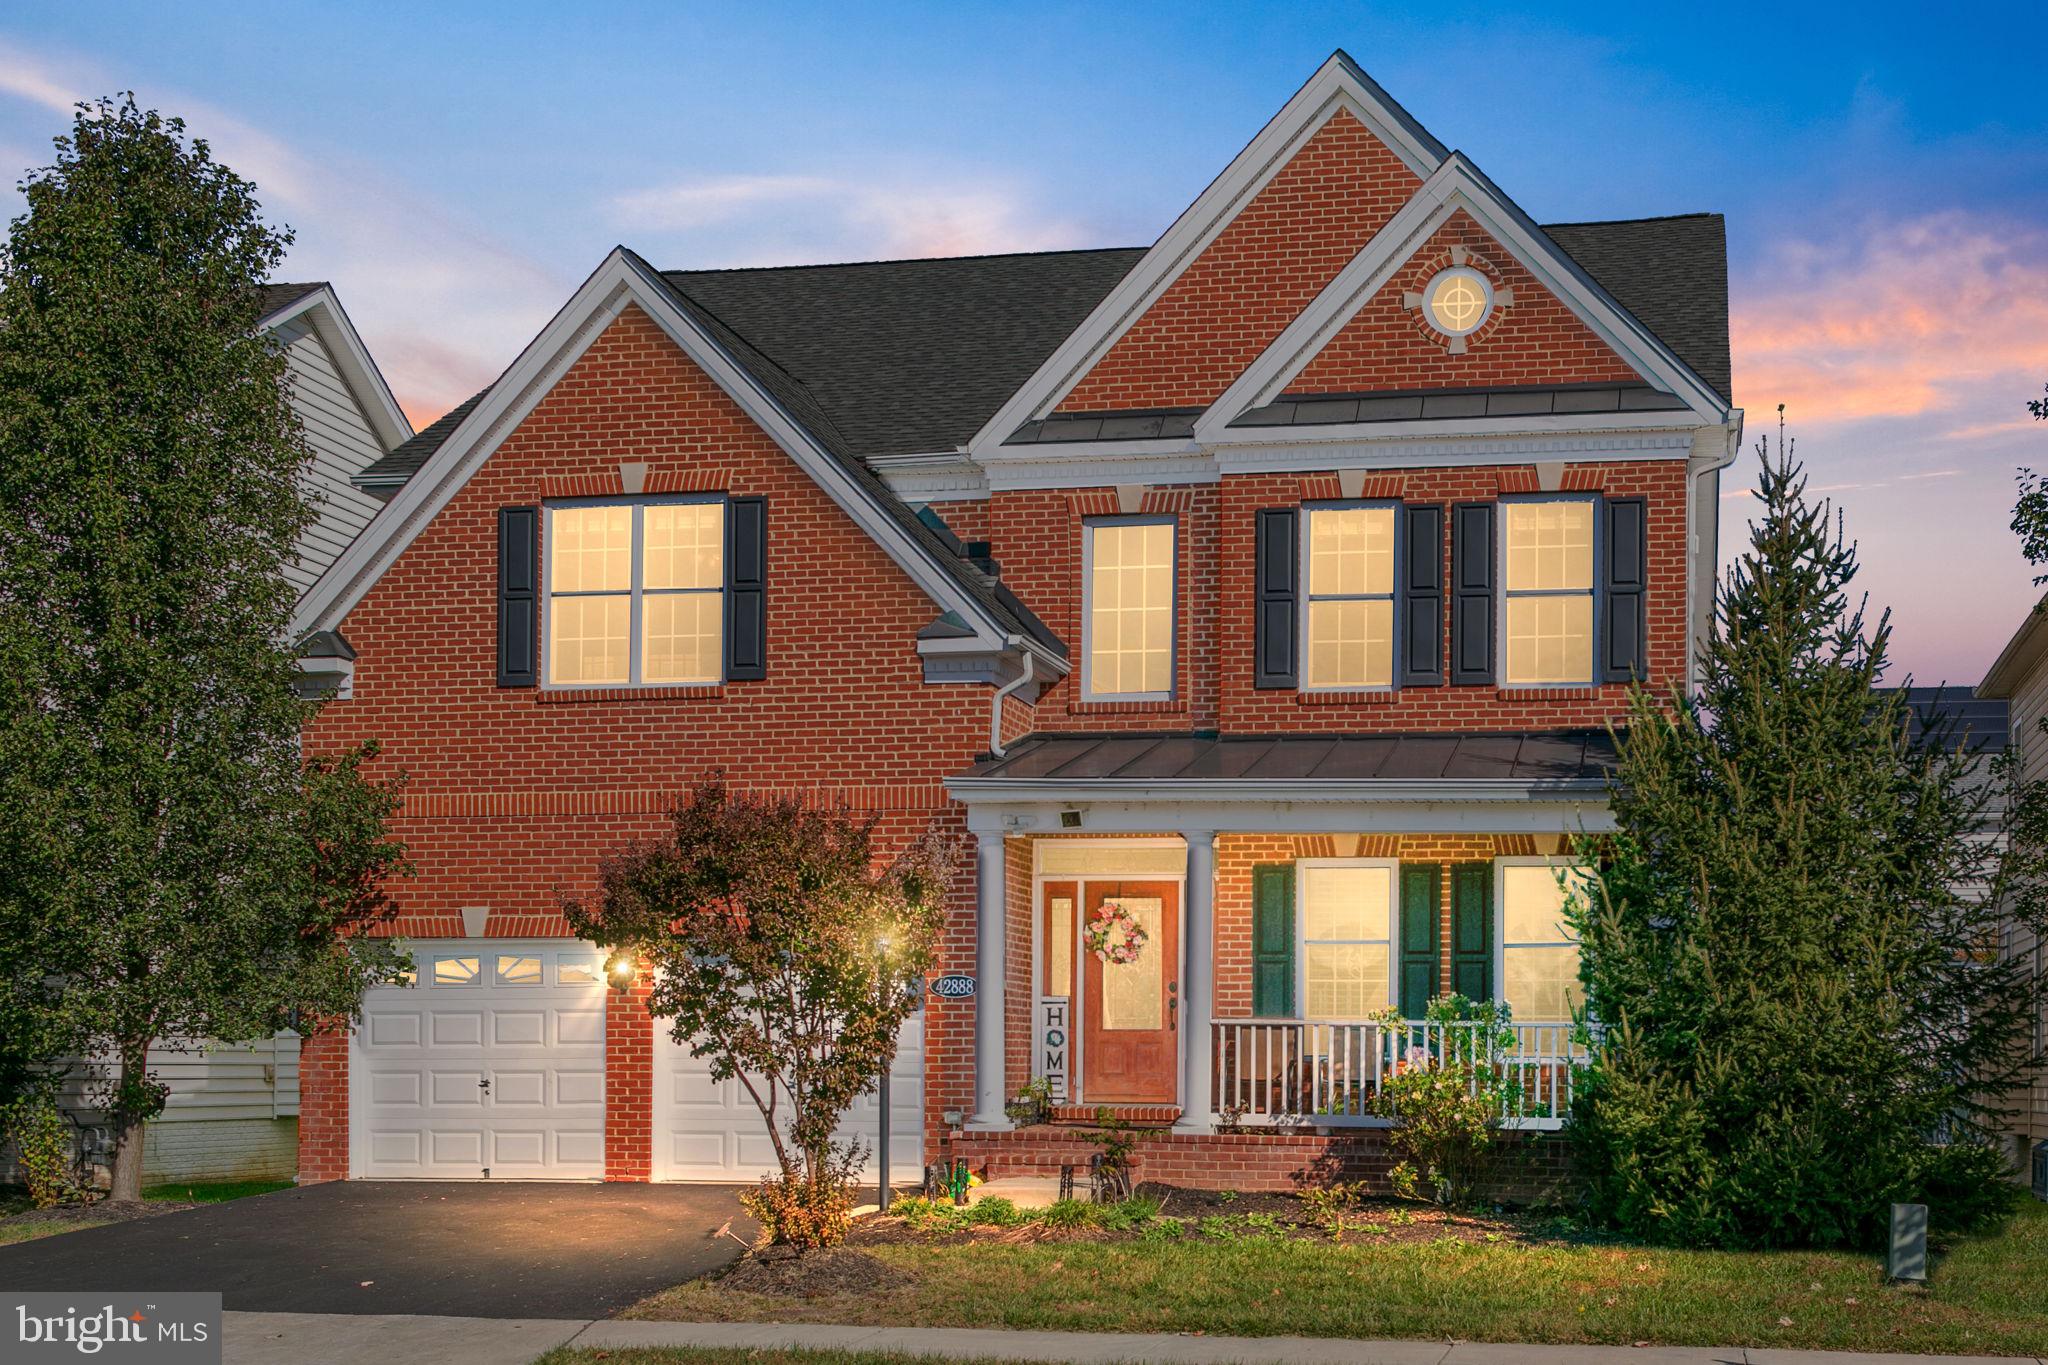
column 1794, row 945
column 171, row 868
column 786, row 956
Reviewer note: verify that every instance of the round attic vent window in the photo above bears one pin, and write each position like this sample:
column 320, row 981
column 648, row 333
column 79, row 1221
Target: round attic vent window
column 1458, row 301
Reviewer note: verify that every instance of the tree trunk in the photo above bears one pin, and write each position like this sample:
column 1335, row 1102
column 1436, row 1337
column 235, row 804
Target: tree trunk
column 128, row 1162
column 128, row 1129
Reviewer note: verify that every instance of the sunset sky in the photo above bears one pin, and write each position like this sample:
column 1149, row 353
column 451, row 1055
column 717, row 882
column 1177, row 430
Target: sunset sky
column 455, row 170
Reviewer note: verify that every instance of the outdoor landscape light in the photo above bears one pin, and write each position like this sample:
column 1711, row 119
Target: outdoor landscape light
column 618, row 968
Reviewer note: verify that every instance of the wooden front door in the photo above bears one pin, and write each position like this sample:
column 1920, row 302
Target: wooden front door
column 1130, row 1015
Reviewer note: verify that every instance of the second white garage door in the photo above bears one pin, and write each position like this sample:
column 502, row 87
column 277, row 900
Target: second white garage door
column 489, row 1066
column 709, row 1130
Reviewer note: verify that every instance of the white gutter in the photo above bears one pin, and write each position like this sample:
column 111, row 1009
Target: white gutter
column 995, row 711
column 969, row 790
column 1705, row 492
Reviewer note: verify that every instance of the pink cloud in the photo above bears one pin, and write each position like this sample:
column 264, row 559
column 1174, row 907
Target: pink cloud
column 1901, row 318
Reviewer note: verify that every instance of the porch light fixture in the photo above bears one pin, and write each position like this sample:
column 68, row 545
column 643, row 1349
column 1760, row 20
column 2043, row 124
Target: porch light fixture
column 618, row 969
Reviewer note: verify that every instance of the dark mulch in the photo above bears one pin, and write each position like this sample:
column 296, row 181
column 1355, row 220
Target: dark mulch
column 807, row 1275
column 100, row 1211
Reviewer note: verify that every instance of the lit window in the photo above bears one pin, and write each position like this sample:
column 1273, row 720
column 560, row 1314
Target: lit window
column 518, row 970
column 636, row 593
column 1458, row 300
column 576, row 971
column 1128, row 615
column 1346, row 922
column 1539, row 950
column 1547, row 550
column 1350, row 636
column 455, row 971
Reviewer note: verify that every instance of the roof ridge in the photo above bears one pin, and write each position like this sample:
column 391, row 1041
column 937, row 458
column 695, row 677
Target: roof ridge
column 1653, row 218
column 904, row 260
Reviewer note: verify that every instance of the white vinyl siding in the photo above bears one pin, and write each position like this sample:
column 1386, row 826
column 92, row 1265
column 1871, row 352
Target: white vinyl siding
column 1547, row 559
column 1349, row 639
column 1127, row 610
column 343, row 444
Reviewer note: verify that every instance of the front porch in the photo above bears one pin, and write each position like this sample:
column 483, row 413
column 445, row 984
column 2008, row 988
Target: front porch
column 1290, row 933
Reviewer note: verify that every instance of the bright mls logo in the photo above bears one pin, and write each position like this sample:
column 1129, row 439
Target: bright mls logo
column 168, row 1329
column 953, row 987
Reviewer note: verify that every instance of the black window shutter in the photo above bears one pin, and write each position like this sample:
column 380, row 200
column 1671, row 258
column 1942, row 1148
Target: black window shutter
column 1273, row 940
column 518, row 596
column 1623, row 623
column 1421, row 943
column 1422, row 597
column 1472, row 930
column 1275, row 612
column 1472, row 593
column 746, row 588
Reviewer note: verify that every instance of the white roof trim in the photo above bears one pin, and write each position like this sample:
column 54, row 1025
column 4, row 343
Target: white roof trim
column 358, row 370
column 1457, row 184
column 1337, row 84
column 618, row 282
column 2020, row 655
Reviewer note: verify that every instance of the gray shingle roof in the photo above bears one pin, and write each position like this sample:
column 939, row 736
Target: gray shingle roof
column 1534, row 756
column 403, row 462
column 278, row 297
column 1957, row 715
column 1672, row 273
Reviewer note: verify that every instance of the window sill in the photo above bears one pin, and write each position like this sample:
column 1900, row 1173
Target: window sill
column 562, row 696
column 1379, row 696
column 1127, row 708
column 1580, row 692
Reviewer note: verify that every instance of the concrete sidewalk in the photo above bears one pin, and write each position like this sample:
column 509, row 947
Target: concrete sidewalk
column 364, row 1339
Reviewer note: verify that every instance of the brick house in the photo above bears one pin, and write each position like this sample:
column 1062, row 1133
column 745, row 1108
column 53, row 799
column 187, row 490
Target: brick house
column 1268, row 589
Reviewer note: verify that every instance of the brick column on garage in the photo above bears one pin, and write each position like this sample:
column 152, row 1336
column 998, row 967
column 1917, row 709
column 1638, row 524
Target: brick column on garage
column 323, row 1107
column 629, row 1082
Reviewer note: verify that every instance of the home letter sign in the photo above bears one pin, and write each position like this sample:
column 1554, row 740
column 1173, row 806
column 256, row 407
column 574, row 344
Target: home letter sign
column 1053, row 1038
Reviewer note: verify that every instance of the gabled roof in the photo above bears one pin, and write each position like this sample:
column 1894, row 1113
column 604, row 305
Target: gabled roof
column 317, row 302
column 938, row 344
column 768, row 394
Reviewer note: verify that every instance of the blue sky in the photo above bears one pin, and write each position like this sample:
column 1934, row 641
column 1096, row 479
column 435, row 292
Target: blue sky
column 456, row 169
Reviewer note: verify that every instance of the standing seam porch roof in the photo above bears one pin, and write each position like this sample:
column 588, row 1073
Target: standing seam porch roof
column 1566, row 756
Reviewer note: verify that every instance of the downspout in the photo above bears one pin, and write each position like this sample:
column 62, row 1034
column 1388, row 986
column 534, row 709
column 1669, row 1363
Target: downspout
column 995, row 714
column 1707, row 542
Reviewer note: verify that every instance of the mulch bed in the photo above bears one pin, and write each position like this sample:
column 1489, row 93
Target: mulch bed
column 839, row 1270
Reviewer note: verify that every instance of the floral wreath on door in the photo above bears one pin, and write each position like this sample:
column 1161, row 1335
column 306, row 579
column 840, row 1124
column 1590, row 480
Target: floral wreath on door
column 1114, row 934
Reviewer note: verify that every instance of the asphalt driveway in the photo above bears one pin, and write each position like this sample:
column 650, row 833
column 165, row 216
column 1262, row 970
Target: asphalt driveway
column 471, row 1250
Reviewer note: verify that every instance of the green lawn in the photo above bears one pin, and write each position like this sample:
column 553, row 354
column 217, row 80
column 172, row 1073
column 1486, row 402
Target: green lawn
column 218, row 1192
column 29, row 1225
column 1989, row 1295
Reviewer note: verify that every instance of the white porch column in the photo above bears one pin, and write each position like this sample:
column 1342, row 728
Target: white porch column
column 991, row 964
column 1197, row 983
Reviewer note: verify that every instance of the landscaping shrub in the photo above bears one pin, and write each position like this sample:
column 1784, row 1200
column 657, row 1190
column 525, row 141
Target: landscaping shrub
column 995, row 1212
column 1072, row 1213
column 803, row 1213
column 42, row 1136
column 1446, row 1102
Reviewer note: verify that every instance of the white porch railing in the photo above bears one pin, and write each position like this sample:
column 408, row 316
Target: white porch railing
column 1328, row 1074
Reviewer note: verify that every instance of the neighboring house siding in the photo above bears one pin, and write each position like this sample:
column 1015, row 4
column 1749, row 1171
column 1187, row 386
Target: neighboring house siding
column 343, row 444
column 2029, row 703
column 232, row 1111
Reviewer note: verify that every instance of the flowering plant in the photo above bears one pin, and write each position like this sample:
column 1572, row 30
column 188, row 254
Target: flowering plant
column 1114, row 934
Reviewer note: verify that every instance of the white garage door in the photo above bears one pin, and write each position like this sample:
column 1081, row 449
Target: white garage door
column 489, row 1066
column 707, row 1130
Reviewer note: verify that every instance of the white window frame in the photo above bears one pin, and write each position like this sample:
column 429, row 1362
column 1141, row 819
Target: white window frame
column 1302, row 941
column 1088, row 529
column 1591, row 593
column 1392, row 595
column 1556, row 862
column 634, row 592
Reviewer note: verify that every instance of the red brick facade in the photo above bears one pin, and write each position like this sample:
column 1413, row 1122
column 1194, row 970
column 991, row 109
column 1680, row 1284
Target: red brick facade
column 1310, row 219
column 516, row 793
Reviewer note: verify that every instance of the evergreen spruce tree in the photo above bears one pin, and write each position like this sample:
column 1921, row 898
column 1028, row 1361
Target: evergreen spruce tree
column 170, row 869
column 1794, row 951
